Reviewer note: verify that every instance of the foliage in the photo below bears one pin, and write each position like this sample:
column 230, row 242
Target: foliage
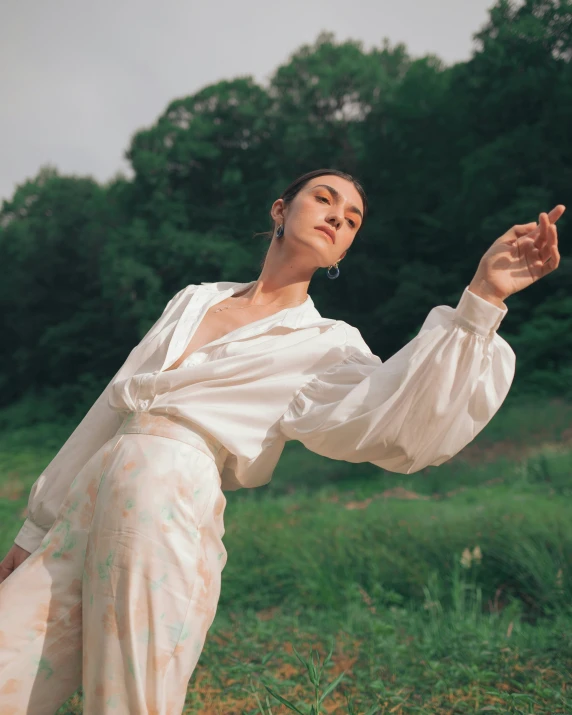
column 450, row 156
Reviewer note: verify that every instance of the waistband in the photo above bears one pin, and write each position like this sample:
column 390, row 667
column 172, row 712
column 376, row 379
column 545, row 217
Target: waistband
column 171, row 427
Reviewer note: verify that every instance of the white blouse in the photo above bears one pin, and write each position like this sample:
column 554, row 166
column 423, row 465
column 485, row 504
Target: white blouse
column 298, row 375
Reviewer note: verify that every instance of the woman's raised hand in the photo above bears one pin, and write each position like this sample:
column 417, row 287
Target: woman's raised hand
column 16, row 556
column 520, row 257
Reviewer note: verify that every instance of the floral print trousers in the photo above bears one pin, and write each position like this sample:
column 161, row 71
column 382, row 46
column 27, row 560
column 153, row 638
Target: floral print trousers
column 121, row 592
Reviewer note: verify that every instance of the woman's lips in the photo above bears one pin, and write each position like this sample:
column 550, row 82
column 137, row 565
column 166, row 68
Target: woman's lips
column 321, row 230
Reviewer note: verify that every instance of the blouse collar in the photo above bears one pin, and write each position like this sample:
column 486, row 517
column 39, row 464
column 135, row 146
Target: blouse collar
column 291, row 317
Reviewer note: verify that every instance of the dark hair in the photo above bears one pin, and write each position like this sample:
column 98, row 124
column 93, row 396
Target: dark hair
column 291, row 191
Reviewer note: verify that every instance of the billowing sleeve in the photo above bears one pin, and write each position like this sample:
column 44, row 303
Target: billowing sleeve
column 96, row 428
column 418, row 408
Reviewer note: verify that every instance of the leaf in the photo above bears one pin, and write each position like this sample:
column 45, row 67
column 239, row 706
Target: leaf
column 283, row 700
column 331, row 686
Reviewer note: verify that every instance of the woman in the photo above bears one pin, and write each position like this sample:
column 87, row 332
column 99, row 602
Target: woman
column 124, row 526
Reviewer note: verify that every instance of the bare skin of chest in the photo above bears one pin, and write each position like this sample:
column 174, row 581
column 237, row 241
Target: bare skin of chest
column 216, row 325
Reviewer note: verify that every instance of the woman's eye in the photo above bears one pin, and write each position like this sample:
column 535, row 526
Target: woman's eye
column 323, row 197
column 351, row 223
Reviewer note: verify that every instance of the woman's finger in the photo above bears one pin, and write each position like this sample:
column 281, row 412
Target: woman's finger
column 556, row 213
column 547, row 234
column 555, row 255
column 545, row 249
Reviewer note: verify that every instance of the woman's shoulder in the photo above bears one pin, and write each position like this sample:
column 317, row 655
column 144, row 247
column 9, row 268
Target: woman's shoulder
column 186, row 291
column 353, row 337
column 340, row 340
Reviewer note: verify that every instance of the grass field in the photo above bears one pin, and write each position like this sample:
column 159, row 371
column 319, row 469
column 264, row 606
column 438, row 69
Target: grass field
column 443, row 592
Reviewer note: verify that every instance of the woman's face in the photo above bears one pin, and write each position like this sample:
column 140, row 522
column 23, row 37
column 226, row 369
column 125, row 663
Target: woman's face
column 327, row 201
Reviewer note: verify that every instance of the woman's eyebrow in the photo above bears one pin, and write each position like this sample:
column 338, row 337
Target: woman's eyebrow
column 336, row 194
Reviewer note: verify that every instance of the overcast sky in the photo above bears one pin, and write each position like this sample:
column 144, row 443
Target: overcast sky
column 78, row 78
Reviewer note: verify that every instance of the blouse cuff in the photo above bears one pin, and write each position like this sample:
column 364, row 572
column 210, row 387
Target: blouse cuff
column 30, row 536
column 477, row 314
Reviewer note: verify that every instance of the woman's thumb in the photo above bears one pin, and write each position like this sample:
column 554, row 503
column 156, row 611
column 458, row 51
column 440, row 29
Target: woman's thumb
column 521, row 229
column 516, row 231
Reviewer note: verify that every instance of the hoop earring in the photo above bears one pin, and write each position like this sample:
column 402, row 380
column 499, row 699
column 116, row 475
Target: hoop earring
column 280, row 231
column 336, row 274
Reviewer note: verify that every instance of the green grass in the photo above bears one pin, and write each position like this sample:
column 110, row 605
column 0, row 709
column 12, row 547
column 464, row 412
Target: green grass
column 446, row 591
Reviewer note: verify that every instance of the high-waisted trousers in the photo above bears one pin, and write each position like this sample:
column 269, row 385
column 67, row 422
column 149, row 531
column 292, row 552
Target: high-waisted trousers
column 121, row 592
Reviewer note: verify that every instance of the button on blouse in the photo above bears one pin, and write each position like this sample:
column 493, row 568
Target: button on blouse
column 296, row 375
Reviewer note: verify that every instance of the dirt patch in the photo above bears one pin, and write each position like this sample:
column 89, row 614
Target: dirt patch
column 400, row 493
column 476, row 454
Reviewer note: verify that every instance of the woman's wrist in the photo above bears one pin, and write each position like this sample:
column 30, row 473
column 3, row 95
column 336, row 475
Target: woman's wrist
column 483, row 290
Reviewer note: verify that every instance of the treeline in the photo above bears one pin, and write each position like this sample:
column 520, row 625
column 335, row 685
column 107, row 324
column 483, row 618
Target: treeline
column 451, row 157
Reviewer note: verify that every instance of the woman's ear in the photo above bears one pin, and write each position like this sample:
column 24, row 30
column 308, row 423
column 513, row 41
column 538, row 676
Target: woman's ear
column 277, row 211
